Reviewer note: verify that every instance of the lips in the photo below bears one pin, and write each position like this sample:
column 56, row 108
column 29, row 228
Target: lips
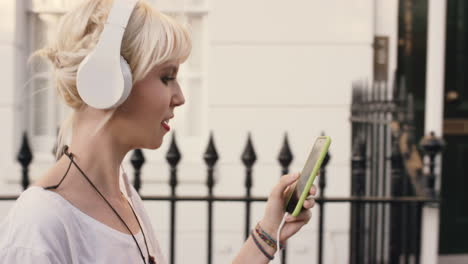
column 165, row 125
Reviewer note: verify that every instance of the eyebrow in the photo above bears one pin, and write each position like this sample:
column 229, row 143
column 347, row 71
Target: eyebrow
column 172, row 68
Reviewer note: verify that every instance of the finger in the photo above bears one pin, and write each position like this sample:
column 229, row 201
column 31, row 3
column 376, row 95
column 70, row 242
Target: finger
column 303, row 216
column 284, row 182
column 313, row 190
column 309, row 203
column 287, row 190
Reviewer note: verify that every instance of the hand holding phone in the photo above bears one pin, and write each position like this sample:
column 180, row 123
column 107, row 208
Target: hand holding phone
column 299, row 191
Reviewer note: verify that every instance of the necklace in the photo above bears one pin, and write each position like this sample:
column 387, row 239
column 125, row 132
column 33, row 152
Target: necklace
column 70, row 156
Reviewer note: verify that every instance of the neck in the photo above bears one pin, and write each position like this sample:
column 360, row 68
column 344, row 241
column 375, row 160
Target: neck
column 99, row 157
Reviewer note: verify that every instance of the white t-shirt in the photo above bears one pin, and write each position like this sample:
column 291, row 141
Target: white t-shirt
column 44, row 228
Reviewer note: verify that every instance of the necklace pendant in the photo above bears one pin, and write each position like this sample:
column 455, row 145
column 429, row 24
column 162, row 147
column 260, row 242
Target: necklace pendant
column 151, row 260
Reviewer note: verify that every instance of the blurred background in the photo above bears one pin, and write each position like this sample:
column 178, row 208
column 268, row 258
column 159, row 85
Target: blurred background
column 264, row 79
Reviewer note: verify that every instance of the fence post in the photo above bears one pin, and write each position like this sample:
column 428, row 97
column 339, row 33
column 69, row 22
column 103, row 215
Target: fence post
column 248, row 158
column 210, row 157
column 395, row 209
column 432, row 146
column 413, row 209
column 54, row 148
column 173, row 156
column 285, row 158
column 25, row 158
column 137, row 160
column 358, row 172
column 359, row 119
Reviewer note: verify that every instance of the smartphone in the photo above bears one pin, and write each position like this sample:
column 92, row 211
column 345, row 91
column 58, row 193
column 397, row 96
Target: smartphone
column 300, row 189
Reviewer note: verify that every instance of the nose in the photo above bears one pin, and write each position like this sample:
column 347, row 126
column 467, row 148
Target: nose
column 178, row 99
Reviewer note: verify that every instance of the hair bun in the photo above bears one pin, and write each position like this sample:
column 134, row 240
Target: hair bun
column 51, row 54
column 57, row 62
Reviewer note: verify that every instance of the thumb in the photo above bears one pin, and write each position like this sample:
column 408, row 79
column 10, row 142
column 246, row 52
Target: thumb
column 284, row 182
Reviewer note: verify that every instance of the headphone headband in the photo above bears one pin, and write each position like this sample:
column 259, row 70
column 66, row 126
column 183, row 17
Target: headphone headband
column 120, row 12
column 104, row 78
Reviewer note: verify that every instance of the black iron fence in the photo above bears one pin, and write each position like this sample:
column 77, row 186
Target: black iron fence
column 388, row 190
column 387, row 163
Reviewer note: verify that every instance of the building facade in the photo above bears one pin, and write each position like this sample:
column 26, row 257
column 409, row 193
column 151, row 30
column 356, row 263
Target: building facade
column 261, row 67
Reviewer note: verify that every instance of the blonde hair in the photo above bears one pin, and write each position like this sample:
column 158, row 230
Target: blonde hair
column 151, row 38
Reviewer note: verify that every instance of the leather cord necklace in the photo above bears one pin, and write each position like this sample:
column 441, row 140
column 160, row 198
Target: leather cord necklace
column 70, row 156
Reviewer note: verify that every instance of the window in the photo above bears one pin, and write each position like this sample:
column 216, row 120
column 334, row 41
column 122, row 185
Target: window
column 44, row 111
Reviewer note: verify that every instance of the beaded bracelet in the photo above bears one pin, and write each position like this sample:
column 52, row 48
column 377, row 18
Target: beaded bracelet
column 264, row 238
column 270, row 257
column 267, row 238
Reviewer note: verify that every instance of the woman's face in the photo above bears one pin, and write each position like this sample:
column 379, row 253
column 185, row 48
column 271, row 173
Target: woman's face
column 141, row 121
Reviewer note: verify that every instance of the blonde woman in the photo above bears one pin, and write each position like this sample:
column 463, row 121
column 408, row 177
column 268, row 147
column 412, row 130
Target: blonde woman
column 82, row 210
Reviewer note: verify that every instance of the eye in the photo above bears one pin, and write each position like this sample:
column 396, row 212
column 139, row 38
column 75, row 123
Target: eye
column 167, row 79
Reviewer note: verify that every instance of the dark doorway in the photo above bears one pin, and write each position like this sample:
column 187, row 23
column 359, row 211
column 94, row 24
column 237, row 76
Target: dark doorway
column 411, row 62
column 412, row 52
column 454, row 207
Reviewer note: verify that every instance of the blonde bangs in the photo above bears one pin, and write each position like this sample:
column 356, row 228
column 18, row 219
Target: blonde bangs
column 153, row 38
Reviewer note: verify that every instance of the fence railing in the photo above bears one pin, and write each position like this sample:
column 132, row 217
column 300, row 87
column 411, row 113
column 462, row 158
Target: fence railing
column 387, row 191
column 387, row 163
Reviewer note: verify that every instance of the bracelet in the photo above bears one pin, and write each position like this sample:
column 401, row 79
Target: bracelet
column 264, row 238
column 267, row 238
column 270, row 257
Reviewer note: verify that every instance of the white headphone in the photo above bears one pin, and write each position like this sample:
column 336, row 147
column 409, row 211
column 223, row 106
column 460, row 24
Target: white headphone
column 104, row 78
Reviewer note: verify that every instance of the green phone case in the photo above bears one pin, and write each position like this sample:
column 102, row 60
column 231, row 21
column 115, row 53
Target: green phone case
column 312, row 176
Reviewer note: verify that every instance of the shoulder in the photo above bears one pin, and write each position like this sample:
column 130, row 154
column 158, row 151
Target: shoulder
column 13, row 254
column 35, row 221
column 36, row 206
column 137, row 201
column 135, row 194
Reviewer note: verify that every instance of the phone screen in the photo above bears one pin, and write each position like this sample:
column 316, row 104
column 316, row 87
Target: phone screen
column 298, row 187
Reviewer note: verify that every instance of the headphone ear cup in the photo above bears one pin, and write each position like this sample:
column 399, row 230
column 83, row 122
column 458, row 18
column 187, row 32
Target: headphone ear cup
column 104, row 79
column 128, row 80
column 108, row 89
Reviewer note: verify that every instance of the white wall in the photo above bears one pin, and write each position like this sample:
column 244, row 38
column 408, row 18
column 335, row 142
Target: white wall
column 12, row 66
column 269, row 67
column 435, row 74
column 276, row 67
column 386, row 24
column 273, row 67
